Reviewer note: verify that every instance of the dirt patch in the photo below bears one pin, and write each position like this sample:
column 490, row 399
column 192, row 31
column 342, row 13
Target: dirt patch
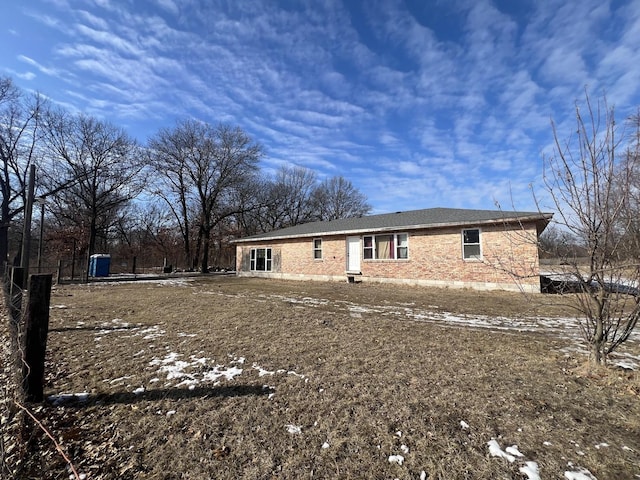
column 244, row 378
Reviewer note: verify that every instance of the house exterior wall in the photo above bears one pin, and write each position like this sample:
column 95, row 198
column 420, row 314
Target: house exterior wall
column 509, row 260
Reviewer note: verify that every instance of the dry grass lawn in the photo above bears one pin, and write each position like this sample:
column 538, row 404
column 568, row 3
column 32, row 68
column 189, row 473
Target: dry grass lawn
column 228, row 378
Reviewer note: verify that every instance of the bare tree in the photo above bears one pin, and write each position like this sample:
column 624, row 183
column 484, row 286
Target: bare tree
column 19, row 130
column 169, row 153
column 94, row 170
column 289, row 200
column 628, row 187
column 253, row 216
column 199, row 170
column 555, row 243
column 147, row 232
column 336, row 198
column 294, row 196
column 589, row 180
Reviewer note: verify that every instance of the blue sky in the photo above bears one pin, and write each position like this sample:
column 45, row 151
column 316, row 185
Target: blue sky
column 419, row 103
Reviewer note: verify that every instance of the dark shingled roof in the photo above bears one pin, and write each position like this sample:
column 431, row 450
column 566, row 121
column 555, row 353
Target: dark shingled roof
column 410, row 220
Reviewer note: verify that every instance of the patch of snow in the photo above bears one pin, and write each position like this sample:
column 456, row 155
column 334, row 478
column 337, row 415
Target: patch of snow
column 602, row 445
column 325, row 445
column 151, row 333
column 496, row 451
column 404, row 449
column 63, row 398
column 464, row 425
column 627, row 365
column 531, row 471
column 261, row 371
column 171, row 412
column 219, row 371
column 423, row 475
column 399, row 459
column 513, row 450
column 547, row 444
column 304, row 301
column 294, row 429
column 160, row 281
column 139, row 390
column 177, row 369
column 119, row 379
column 580, row 474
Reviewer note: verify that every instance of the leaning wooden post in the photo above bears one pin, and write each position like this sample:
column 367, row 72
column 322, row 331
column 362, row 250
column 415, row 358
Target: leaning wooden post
column 35, row 336
column 26, row 234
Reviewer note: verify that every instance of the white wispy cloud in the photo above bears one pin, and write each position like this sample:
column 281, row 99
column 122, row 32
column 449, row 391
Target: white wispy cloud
column 169, row 6
column 54, row 72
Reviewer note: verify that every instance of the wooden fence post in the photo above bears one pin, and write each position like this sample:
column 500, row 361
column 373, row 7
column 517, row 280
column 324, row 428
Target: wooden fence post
column 35, row 336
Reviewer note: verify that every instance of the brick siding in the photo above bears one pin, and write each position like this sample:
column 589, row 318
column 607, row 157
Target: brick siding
column 509, row 259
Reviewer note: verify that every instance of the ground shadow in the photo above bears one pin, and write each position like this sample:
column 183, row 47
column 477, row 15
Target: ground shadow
column 226, row 391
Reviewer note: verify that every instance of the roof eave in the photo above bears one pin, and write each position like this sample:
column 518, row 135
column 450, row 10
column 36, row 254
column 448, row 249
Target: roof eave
column 545, row 217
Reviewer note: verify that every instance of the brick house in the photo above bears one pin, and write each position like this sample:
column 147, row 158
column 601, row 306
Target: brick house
column 482, row 249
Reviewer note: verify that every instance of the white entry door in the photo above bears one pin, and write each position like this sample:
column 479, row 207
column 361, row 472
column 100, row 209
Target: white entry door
column 353, row 254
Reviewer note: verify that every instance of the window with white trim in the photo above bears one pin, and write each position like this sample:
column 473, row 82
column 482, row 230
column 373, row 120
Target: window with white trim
column 471, row 244
column 393, row 246
column 260, row 260
column 317, row 248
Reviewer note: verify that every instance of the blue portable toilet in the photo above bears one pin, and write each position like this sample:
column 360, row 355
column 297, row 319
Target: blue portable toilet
column 99, row 265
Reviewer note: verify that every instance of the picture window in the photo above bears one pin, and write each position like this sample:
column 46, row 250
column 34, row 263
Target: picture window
column 261, row 260
column 386, row 247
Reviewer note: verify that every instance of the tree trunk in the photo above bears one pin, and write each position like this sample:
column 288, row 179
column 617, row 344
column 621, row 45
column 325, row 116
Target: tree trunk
column 4, row 244
column 185, row 235
column 204, row 267
column 596, row 345
column 93, row 233
column 196, row 256
column 4, row 232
